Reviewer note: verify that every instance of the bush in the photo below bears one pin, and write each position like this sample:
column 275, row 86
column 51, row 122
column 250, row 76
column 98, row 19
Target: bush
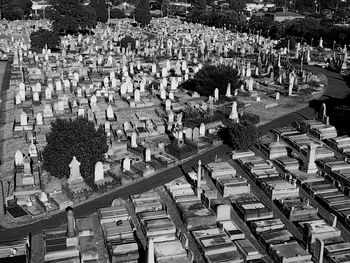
column 249, row 118
column 117, row 14
column 143, row 13
column 77, row 138
column 240, row 136
column 209, row 78
column 44, row 37
column 126, row 40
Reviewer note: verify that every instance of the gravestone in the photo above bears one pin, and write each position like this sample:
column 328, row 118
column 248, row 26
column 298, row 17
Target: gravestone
column 24, row 118
column 195, row 134
column 133, row 140
column 98, row 173
column 75, row 176
column 126, row 164
column 147, row 155
column 19, row 158
column 39, row 119
column 202, row 130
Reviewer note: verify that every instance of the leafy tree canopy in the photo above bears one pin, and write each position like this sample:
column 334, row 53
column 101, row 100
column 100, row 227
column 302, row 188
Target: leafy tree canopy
column 142, row 13
column 209, row 78
column 305, row 5
column 77, row 138
column 237, row 5
column 117, row 13
column 101, row 10
column 72, row 16
column 44, row 37
column 15, row 9
column 128, row 40
column 240, row 136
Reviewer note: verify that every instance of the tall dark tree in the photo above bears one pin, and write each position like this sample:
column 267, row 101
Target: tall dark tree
column 240, row 136
column 101, row 10
column 142, row 13
column 237, row 5
column 72, row 16
column 77, row 138
column 209, row 78
column 44, row 37
column 305, row 5
column 15, row 9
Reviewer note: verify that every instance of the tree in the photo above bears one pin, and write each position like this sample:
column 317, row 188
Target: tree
column 237, row 5
column 72, row 17
column 240, row 136
column 128, row 40
column 77, row 138
column 117, row 13
column 305, row 5
column 209, row 78
column 142, row 13
column 44, row 37
column 101, row 10
column 15, row 9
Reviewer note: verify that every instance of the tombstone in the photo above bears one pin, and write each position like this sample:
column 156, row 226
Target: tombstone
column 234, row 113
column 216, row 94
column 163, row 94
column 133, row 143
column 228, row 91
column 195, row 134
column 38, row 87
column 81, row 112
column 171, row 117
column 36, row 96
column 39, row 119
column 93, row 100
column 202, row 130
column 74, row 176
column 171, row 95
column 18, row 99
column 98, row 173
column 19, row 158
column 147, row 155
column 126, row 164
column 277, row 96
column 310, row 165
column 167, row 104
column 291, row 84
column 48, row 111
column 154, row 68
column 48, row 93
column 323, row 112
column 43, row 197
column 188, row 134
column 250, row 84
column 110, row 113
column 137, row 95
column 24, row 118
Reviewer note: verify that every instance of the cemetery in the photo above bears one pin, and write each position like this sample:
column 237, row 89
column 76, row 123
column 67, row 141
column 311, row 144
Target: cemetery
column 138, row 96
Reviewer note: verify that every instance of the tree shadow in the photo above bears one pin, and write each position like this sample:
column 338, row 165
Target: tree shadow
column 338, row 109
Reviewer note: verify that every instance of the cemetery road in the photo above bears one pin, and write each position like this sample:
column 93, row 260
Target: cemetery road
column 337, row 88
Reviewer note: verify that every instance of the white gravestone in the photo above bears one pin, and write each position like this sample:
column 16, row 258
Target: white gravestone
column 98, row 173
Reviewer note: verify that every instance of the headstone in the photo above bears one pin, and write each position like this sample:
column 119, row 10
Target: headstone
column 74, row 176
column 18, row 158
column 216, row 94
column 36, row 96
column 195, row 134
column 48, row 93
column 110, row 113
column 137, row 95
column 147, row 155
column 126, row 164
column 167, row 104
column 24, row 118
column 228, row 90
column 133, row 143
column 98, row 173
column 48, row 111
column 234, row 113
column 277, row 96
column 39, row 119
column 202, row 130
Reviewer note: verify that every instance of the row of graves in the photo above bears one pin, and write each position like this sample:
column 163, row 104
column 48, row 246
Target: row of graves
column 307, row 161
column 206, row 214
